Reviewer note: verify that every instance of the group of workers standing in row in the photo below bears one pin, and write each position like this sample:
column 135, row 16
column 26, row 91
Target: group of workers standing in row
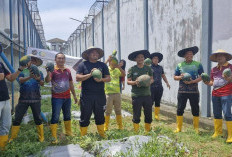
column 100, row 95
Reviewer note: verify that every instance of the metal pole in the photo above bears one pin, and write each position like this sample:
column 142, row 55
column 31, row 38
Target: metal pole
column 80, row 42
column 24, row 30
column 93, row 31
column 206, row 49
column 19, row 22
column 28, row 37
column 12, row 54
column 76, row 43
column 146, row 35
column 85, row 39
column 118, row 29
column 102, row 16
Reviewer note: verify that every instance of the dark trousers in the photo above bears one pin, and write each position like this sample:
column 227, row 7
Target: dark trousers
column 182, row 101
column 21, row 109
column 57, row 105
column 138, row 103
column 92, row 104
column 156, row 95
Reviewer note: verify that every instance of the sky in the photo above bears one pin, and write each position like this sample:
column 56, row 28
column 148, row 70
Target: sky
column 55, row 16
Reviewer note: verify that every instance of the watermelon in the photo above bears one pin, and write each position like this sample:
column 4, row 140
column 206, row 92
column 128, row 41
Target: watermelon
column 34, row 70
column 186, row 77
column 50, row 66
column 144, row 80
column 227, row 72
column 205, row 77
column 114, row 60
column 114, row 53
column 147, row 61
column 97, row 74
column 24, row 60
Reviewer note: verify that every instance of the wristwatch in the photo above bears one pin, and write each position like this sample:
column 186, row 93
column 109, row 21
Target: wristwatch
column 20, row 70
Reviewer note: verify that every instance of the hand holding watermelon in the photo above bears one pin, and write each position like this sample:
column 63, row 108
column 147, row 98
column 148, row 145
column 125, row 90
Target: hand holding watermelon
column 227, row 74
column 187, row 78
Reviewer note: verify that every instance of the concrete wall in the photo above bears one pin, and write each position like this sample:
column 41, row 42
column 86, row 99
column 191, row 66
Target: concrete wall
column 173, row 25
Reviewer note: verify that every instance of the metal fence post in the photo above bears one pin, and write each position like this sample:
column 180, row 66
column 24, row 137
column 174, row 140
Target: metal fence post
column 93, row 32
column 118, row 29
column 102, row 17
column 146, row 35
column 206, row 49
column 12, row 53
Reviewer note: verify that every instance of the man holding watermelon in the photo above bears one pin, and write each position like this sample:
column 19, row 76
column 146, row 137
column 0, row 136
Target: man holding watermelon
column 62, row 84
column 30, row 80
column 188, row 74
column 140, row 78
column 93, row 75
column 221, row 80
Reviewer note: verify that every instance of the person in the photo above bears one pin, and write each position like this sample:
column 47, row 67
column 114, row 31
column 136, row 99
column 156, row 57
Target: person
column 5, row 107
column 156, row 86
column 62, row 84
column 122, row 64
column 222, row 92
column 113, row 95
column 141, row 96
column 92, row 97
column 188, row 90
column 29, row 97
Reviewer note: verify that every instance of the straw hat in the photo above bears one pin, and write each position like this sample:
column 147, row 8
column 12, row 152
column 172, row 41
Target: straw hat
column 213, row 57
column 86, row 52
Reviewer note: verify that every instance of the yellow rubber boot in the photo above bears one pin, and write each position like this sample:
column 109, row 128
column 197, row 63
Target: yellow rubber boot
column 68, row 128
column 83, row 131
column 147, row 127
column 136, row 127
column 107, row 120
column 157, row 111
column 179, row 121
column 217, row 128
column 196, row 123
column 54, row 133
column 14, row 132
column 229, row 130
column 40, row 132
column 3, row 142
column 119, row 121
column 100, row 129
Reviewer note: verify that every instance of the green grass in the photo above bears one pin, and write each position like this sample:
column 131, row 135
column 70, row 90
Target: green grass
column 199, row 145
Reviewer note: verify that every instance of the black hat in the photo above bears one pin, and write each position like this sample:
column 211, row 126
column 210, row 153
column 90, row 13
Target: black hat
column 157, row 54
column 86, row 52
column 134, row 54
column 182, row 52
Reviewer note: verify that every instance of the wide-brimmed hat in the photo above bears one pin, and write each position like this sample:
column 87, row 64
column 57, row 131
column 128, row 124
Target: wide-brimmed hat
column 86, row 52
column 37, row 61
column 182, row 52
column 134, row 54
column 213, row 57
column 157, row 54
